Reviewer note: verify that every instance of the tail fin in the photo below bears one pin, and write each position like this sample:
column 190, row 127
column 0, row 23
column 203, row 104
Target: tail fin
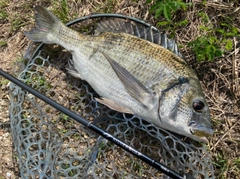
column 46, row 21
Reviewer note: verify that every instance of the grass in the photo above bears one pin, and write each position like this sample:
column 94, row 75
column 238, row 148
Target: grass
column 16, row 24
column 107, row 7
column 4, row 82
column 3, row 15
column 3, row 43
column 214, row 40
column 167, row 8
column 4, row 3
column 61, row 9
column 221, row 163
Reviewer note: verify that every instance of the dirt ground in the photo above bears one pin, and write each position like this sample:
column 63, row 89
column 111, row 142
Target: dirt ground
column 220, row 79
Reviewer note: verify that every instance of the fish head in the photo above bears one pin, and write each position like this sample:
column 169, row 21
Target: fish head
column 200, row 123
column 184, row 110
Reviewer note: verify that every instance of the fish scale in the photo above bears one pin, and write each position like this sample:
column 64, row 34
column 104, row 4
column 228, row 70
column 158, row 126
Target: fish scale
column 122, row 58
column 154, row 54
column 133, row 71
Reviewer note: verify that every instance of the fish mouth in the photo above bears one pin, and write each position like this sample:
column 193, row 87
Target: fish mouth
column 201, row 132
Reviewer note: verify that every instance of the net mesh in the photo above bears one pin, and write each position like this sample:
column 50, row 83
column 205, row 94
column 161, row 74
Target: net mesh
column 50, row 144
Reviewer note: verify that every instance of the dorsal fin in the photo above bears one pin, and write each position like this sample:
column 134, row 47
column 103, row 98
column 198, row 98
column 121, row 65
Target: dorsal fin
column 147, row 33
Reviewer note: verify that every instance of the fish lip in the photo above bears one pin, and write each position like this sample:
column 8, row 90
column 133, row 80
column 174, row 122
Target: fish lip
column 203, row 139
column 201, row 132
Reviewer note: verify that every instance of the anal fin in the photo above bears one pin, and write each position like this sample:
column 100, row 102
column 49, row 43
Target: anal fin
column 112, row 105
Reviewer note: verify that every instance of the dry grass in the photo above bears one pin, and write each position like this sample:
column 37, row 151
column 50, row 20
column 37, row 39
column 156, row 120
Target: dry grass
column 220, row 79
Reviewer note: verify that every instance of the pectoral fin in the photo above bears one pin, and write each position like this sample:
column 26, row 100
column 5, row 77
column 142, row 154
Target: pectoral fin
column 112, row 105
column 133, row 86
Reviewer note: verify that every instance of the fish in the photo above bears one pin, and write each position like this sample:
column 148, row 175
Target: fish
column 134, row 70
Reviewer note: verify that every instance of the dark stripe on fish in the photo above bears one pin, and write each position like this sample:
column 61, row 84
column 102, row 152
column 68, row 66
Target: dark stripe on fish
column 178, row 83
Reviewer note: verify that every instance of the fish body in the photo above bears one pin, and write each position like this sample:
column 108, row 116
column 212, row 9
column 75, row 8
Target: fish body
column 132, row 75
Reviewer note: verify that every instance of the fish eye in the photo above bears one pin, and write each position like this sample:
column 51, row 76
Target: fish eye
column 198, row 105
column 192, row 123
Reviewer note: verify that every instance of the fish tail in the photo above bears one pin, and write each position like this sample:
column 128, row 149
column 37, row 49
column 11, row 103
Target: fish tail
column 46, row 23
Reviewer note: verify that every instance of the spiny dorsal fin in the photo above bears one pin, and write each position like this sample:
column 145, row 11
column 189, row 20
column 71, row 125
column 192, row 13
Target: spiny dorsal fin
column 147, row 33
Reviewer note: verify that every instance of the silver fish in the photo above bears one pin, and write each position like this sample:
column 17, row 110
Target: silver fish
column 132, row 73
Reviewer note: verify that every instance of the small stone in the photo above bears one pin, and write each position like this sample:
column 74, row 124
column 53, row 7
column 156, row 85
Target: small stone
column 8, row 174
column 6, row 135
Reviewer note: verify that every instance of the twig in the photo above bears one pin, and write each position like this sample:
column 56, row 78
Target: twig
column 234, row 71
column 213, row 147
column 217, row 5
